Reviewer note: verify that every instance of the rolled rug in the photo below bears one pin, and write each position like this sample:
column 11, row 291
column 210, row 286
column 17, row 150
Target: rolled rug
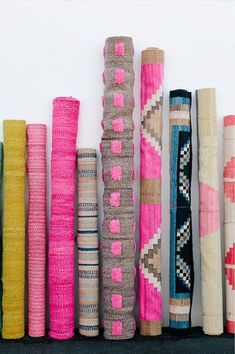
column 181, row 255
column 229, row 219
column 209, row 213
column 61, row 236
column 36, row 163
column 1, row 170
column 13, row 277
column 87, row 241
column 150, row 296
column 118, row 246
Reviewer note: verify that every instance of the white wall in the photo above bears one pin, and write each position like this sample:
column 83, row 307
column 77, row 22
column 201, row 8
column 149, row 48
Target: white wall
column 53, row 48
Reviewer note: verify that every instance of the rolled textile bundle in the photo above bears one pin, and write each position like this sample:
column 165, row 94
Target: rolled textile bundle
column 209, row 214
column 61, row 237
column 181, row 254
column 150, row 296
column 229, row 219
column 87, row 241
column 118, row 244
column 13, row 277
column 36, row 162
column 1, row 169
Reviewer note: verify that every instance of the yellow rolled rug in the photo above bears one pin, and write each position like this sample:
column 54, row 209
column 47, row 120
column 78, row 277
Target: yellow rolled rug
column 13, row 277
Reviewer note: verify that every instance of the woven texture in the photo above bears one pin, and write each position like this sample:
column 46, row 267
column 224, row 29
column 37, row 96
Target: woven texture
column 61, row 237
column 181, row 258
column 36, row 163
column 150, row 296
column 14, row 133
column 229, row 219
column 118, row 245
column 1, row 169
column 87, row 241
column 209, row 214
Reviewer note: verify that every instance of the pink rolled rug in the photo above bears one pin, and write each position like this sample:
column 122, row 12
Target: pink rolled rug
column 61, row 237
column 36, row 134
column 150, row 296
column 229, row 219
column 118, row 246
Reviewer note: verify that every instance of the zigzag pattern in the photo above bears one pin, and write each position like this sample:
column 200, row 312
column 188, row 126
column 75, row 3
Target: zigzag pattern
column 150, row 260
column 150, row 300
column 184, row 187
column 183, row 235
column 182, row 269
column 181, row 262
column 150, row 120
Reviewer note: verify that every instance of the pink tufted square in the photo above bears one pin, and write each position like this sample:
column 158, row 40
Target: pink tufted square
column 116, row 147
column 119, row 76
column 134, row 174
column 117, row 328
column 102, row 124
column 103, row 178
column 118, row 100
column 133, row 199
column 114, row 199
column 116, row 173
column 104, row 77
column 120, row 49
column 116, row 275
column 116, row 301
column 101, row 147
column 115, row 226
column 118, row 125
column 116, row 248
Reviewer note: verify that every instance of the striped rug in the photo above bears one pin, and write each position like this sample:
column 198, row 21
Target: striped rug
column 87, row 241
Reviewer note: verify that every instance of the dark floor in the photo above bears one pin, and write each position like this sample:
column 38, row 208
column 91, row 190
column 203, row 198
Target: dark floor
column 195, row 342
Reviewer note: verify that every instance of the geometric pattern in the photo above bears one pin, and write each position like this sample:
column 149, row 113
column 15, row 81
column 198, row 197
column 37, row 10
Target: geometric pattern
column 184, row 186
column 181, row 258
column 229, row 179
column 184, row 155
column 183, row 235
column 151, row 121
column 183, row 246
column 183, row 271
column 229, row 219
column 150, row 260
column 150, row 297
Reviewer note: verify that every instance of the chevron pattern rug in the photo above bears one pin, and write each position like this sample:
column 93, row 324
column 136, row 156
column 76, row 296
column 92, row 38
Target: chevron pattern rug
column 229, row 219
column 150, row 297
